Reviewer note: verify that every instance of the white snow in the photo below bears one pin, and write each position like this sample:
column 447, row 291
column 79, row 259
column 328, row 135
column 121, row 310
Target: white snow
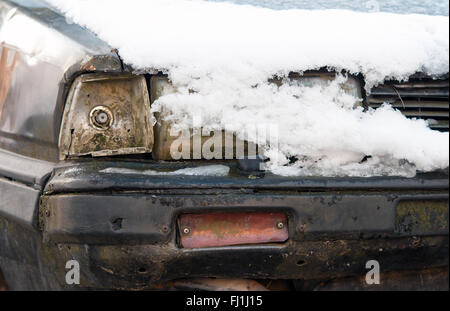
column 208, row 170
column 226, row 53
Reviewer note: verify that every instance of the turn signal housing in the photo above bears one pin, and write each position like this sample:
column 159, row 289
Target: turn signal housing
column 106, row 115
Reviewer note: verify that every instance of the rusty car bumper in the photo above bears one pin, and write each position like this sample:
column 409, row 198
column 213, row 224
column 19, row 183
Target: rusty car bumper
column 122, row 228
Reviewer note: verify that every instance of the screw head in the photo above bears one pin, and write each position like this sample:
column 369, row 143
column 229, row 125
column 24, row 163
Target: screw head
column 280, row 225
column 186, row 230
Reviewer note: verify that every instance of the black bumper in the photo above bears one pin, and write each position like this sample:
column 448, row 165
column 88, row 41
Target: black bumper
column 122, row 227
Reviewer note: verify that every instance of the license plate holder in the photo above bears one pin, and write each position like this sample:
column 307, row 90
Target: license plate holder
column 228, row 229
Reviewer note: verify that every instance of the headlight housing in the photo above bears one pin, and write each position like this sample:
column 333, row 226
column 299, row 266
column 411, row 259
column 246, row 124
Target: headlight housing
column 350, row 86
column 106, row 115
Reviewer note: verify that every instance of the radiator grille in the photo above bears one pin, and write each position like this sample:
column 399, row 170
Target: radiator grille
column 426, row 99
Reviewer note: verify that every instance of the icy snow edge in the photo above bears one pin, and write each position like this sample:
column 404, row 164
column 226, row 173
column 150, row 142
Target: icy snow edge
column 208, row 170
column 226, row 53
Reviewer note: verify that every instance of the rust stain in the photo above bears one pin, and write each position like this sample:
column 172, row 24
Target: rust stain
column 6, row 72
column 227, row 229
column 109, row 271
column 88, row 65
column 3, row 286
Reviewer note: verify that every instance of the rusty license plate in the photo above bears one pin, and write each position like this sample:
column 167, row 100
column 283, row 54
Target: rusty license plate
column 227, row 229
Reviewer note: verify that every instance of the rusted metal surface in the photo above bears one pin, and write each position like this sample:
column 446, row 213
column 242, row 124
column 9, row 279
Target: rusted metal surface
column 158, row 201
column 107, row 115
column 134, row 242
column 225, row 229
column 3, row 286
column 422, row 217
column 140, row 267
column 434, row 279
column 7, row 67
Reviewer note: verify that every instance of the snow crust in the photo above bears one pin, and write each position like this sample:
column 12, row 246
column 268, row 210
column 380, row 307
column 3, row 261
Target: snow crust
column 220, row 57
column 429, row 7
column 208, row 170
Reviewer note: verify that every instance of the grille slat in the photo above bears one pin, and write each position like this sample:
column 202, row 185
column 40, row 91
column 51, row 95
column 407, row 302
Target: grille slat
column 409, row 104
column 428, row 84
column 422, row 98
column 426, row 114
column 394, row 91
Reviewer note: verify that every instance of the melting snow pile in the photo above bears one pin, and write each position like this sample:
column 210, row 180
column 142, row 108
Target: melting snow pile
column 227, row 53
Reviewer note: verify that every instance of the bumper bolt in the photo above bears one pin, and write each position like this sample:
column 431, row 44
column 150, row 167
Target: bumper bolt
column 280, row 225
column 186, row 230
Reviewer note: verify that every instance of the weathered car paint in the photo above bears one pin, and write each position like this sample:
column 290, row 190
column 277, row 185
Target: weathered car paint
column 31, row 115
column 33, row 103
column 22, row 180
column 87, row 176
column 7, row 68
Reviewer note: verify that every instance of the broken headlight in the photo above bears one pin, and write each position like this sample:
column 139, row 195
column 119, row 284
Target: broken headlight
column 191, row 144
column 349, row 85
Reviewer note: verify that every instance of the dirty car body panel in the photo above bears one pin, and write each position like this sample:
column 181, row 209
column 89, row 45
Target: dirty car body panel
column 124, row 229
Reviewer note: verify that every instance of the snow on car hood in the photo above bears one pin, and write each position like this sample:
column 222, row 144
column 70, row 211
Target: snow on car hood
column 226, row 53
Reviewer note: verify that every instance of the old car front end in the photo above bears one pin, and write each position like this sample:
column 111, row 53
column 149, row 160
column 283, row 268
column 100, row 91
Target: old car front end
column 87, row 175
